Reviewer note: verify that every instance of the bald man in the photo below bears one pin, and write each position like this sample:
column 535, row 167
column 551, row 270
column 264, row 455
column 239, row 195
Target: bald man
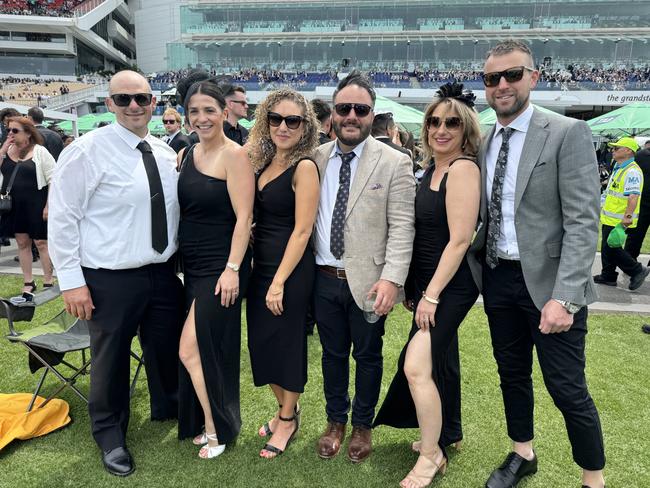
column 112, row 233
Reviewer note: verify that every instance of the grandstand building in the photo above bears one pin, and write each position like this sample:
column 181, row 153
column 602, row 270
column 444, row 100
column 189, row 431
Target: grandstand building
column 65, row 38
column 317, row 35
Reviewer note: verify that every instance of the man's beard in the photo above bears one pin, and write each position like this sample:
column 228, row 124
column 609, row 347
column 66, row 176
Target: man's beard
column 364, row 132
column 516, row 107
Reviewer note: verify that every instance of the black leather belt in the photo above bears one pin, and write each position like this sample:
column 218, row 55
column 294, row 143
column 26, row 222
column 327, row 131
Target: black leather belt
column 333, row 271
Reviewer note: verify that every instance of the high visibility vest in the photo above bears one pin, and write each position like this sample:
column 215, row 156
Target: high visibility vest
column 615, row 204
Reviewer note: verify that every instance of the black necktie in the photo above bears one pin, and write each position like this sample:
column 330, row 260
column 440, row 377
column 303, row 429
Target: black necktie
column 158, row 213
column 340, row 207
column 495, row 208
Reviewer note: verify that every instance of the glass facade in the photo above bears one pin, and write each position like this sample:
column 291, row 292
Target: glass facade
column 400, row 34
column 33, row 64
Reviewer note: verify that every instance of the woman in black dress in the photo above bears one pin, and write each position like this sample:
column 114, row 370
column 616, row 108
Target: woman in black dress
column 446, row 212
column 33, row 164
column 215, row 192
column 286, row 202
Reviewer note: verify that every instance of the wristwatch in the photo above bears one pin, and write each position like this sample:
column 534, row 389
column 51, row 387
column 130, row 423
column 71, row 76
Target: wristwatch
column 233, row 266
column 570, row 307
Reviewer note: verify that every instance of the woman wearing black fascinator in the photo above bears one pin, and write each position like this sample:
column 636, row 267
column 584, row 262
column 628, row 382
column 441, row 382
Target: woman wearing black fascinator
column 216, row 188
column 425, row 391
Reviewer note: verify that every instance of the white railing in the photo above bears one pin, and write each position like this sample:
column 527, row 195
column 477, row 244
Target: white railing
column 87, row 6
column 62, row 102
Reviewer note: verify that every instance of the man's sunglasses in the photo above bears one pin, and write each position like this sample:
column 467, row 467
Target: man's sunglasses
column 291, row 121
column 511, row 75
column 243, row 103
column 169, row 122
column 361, row 109
column 13, row 130
column 124, row 99
column 451, row 123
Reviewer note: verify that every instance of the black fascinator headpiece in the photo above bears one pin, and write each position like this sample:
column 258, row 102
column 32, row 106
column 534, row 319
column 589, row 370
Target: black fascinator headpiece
column 455, row 90
column 185, row 83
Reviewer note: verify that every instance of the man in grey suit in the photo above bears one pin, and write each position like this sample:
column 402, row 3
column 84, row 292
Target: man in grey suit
column 363, row 242
column 534, row 249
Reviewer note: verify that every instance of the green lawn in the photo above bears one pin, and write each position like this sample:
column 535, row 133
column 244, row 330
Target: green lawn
column 617, row 372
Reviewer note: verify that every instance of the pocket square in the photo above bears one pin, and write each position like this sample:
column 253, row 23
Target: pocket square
column 376, row 186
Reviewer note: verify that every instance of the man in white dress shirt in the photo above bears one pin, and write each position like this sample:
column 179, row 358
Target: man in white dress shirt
column 112, row 231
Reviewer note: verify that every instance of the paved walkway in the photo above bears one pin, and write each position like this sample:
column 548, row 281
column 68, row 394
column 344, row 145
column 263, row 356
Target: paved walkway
column 612, row 300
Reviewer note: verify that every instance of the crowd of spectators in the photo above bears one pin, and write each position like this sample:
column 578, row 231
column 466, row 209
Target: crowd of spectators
column 37, row 91
column 46, row 8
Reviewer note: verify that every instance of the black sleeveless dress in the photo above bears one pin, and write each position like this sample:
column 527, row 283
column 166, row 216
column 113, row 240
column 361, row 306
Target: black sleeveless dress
column 28, row 202
column 205, row 234
column 458, row 297
column 278, row 344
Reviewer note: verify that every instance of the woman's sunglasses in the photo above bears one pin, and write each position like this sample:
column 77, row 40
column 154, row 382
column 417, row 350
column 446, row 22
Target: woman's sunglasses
column 451, row 123
column 361, row 109
column 511, row 75
column 124, row 99
column 13, row 130
column 291, row 121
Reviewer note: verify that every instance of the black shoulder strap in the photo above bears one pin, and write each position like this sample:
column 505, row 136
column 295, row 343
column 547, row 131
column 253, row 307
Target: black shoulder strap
column 188, row 150
column 11, row 179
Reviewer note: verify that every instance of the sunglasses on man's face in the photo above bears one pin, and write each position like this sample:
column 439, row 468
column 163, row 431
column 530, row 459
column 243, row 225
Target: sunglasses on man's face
column 451, row 123
column 13, row 130
column 169, row 122
column 124, row 99
column 344, row 109
column 291, row 121
column 511, row 75
column 243, row 103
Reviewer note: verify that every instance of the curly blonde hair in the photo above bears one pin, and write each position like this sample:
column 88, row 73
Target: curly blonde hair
column 261, row 147
column 471, row 127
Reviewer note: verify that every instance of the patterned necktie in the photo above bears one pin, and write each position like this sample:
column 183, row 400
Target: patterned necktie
column 340, row 207
column 494, row 209
column 158, row 213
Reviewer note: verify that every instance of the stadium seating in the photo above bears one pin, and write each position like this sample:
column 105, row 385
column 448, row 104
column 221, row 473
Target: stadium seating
column 24, row 92
column 50, row 8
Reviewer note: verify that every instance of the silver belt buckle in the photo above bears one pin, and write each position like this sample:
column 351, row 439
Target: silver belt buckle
column 340, row 273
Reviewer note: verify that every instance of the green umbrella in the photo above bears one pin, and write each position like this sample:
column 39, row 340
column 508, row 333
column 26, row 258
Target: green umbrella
column 85, row 123
column 630, row 120
column 487, row 118
column 409, row 118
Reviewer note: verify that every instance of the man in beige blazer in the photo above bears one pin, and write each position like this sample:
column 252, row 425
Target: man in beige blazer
column 363, row 242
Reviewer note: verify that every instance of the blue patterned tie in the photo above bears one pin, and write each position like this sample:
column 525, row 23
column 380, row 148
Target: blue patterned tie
column 340, row 207
column 495, row 210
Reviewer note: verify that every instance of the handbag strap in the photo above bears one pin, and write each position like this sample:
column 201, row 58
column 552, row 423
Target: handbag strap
column 11, row 180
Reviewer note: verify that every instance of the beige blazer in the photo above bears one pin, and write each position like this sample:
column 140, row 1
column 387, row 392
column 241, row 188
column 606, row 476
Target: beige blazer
column 379, row 223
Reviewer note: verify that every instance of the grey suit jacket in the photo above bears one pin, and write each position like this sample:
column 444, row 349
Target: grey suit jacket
column 557, row 202
column 379, row 223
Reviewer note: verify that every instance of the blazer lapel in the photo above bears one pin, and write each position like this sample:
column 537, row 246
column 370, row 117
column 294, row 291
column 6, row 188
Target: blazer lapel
column 533, row 145
column 482, row 154
column 322, row 157
column 367, row 162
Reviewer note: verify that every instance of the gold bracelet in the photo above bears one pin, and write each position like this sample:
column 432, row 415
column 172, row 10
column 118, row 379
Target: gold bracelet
column 434, row 301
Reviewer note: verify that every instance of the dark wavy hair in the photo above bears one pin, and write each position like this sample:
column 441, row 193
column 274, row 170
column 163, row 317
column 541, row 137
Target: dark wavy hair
column 260, row 145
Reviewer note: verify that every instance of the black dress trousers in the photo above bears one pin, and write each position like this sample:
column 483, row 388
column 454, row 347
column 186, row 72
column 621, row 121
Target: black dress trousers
column 149, row 300
column 514, row 327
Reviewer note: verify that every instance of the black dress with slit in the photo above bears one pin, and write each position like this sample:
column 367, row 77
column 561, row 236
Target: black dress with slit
column 28, row 202
column 278, row 344
column 458, row 297
column 205, row 234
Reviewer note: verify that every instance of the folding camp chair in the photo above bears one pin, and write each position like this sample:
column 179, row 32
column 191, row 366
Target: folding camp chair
column 49, row 343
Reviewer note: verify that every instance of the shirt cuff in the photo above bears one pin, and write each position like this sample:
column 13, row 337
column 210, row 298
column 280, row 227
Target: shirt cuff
column 69, row 279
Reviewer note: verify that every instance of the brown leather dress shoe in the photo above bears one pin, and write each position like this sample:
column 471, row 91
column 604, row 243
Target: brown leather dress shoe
column 360, row 444
column 330, row 441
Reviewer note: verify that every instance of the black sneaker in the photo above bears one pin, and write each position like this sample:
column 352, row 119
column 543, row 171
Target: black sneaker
column 601, row 280
column 646, row 328
column 638, row 279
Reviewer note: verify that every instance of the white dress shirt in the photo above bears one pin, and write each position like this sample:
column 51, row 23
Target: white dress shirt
column 328, row 190
column 99, row 209
column 507, row 247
